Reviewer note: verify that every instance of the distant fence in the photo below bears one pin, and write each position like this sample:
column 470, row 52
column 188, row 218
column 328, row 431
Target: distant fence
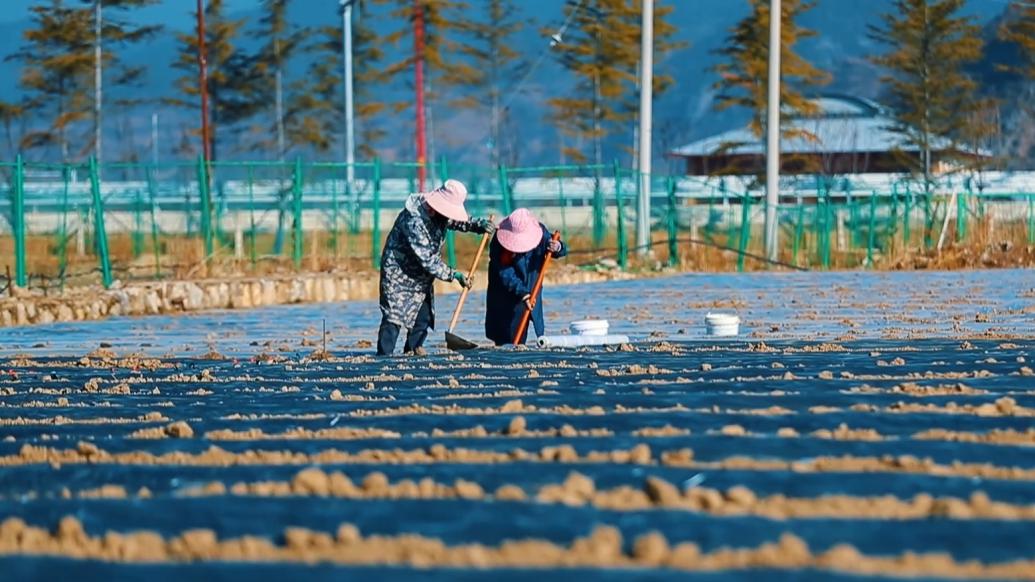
column 88, row 222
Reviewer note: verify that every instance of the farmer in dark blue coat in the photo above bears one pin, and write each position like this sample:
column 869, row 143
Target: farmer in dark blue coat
column 516, row 256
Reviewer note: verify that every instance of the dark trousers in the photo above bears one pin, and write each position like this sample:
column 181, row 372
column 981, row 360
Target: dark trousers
column 388, row 334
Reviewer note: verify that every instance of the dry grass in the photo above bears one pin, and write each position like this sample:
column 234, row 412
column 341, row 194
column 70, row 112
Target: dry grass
column 986, row 246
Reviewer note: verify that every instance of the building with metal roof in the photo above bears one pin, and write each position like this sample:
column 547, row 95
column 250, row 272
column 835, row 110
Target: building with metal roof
column 847, row 135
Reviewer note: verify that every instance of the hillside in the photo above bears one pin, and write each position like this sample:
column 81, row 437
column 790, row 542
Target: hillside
column 683, row 113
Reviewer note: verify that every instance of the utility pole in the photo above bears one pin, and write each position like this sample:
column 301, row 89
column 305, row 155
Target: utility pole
column 278, row 101
column 772, row 173
column 154, row 139
column 203, row 85
column 418, row 69
column 98, row 26
column 643, row 223
column 350, row 130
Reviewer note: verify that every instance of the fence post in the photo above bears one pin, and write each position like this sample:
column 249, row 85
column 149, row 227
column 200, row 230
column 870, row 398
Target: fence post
column 253, row 254
column 206, row 207
column 599, row 222
column 99, row 232
column 799, row 232
column 745, row 229
column 1031, row 218
column 622, row 250
column 828, row 223
column 335, row 214
column 872, row 234
column 63, row 235
column 296, row 210
column 673, row 223
column 906, row 212
column 138, row 226
column 18, row 222
column 563, row 203
column 375, row 231
column 961, row 214
column 508, row 203
column 154, row 222
column 450, row 235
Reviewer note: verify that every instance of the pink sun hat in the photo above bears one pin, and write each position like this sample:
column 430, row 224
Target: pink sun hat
column 520, row 232
column 448, row 200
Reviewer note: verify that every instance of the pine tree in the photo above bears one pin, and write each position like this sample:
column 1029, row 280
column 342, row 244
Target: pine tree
column 602, row 49
column 443, row 23
column 497, row 66
column 744, row 74
column 57, row 67
column 315, row 111
column 115, row 32
column 929, row 45
column 367, row 56
column 232, row 85
column 1019, row 28
column 282, row 41
column 9, row 114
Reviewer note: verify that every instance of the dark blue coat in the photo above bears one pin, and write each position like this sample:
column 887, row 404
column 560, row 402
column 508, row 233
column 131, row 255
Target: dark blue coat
column 508, row 283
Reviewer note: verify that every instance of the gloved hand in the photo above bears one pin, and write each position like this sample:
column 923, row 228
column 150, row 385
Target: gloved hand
column 483, row 226
column 554, row 246
column 462, row 279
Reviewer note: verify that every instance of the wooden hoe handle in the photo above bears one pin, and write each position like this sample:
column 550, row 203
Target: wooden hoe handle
column 535, row 291
column 470, row 277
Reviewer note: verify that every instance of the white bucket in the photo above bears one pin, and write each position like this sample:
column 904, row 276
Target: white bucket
column 589, row 327
column 722, row 324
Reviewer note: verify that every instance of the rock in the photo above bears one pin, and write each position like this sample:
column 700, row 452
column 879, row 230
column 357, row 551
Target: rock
column 376, row 483
column 733, row 430
column 510, row 493
column 511, row 406
column 468, row 489
column 87, row 449
column 311, row 481
column 651, row 549
column 348, row 534
column 517, row 426
column 640, row 454
column 741, row 496
column 179, row 430
column 661, row 492
column 579, row 485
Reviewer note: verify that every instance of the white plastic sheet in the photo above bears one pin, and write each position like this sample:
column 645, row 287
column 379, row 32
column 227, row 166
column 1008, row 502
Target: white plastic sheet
column 574, row 341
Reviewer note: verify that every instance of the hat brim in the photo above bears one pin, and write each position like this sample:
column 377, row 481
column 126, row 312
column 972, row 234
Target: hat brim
column 443, row 207
column 519, row 242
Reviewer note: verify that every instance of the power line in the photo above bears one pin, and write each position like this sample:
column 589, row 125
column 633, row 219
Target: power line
column 555, row 39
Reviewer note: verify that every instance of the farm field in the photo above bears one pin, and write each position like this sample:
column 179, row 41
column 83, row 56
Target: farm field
column 872, row 424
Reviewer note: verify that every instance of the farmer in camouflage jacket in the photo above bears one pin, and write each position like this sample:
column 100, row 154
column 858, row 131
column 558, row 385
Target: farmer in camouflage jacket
column 412, row 260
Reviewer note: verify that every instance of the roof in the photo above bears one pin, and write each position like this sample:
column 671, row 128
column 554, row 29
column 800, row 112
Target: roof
column 843, row 125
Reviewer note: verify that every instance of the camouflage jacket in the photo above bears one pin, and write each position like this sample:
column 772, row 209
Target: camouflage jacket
column 412, row 260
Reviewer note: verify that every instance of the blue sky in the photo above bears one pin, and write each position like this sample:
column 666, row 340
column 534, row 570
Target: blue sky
column 162, row 12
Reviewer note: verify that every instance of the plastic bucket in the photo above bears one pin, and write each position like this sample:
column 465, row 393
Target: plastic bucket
column 722, row 324
column 589, row 327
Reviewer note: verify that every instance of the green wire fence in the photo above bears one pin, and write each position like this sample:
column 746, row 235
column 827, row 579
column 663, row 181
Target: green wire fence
column 90, row 223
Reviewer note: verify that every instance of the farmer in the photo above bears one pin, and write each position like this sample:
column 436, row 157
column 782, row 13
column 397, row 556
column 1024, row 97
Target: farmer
column 516, row 256
column 411, row 261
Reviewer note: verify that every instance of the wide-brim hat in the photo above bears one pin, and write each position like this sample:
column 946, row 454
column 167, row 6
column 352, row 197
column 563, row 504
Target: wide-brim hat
column 520, row 232
column 448, row 200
